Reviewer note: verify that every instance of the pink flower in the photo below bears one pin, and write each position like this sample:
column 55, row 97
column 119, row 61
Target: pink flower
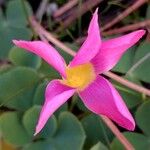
column 82, row 75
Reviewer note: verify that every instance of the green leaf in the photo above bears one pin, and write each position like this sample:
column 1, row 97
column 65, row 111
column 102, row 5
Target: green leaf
column 95, row 130
column 61, row 109
column 70, row 134
column 40, row 145
column 1, row 14
column 142, row 117
column 12, row 129
column 148, row 12
column 125, row 62
column 130, row 97
column 80, row 104
column 17, row 88
column 39, row 97
column 8, row 33
column 48, row 72
column 20, row 57
column 16, row 8
column 99, row 146
column 140, row 69
column 13, row 27
column 139, row 141
column 30, row 119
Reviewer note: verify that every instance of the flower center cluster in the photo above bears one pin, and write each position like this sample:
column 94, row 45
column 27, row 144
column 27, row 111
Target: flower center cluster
column 79, row 76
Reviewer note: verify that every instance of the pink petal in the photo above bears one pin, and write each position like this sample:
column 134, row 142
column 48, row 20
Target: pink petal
column 56, row 95
column 46, row 51
column 91, row 45
column 102, row 98
column 112, row 50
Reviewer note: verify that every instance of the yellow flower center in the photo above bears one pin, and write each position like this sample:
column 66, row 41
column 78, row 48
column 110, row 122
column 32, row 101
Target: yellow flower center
column 79, row 76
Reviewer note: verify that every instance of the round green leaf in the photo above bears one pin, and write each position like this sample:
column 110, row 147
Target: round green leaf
column 13, row 26
column 148, row 12
column 70, row 134
column 80, row 104
column 16, row 8
column 48, row 72
column 1, row 14
column 39, row 98
column 139, row 141
column 141, row 62
column 125, row 62
column 17, row 87
column 130, row 97
column 99, row 146
column 30, row 119
column 8, row 33
column 39, row 94
column 142, row 117
column 95, row 130
column 61, row 109
column 20, row 57
column 12, row 129
column 41, row 145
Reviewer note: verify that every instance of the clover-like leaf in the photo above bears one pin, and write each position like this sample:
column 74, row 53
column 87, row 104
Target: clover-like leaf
column 95, row 130
column 39, row 95
column 70, row 134
column 39, row 145
column 126, row 62
column 142, row 117
column 131, row 98
column 139, row 142
column 20, row 57
column 99, row 146
column 12, row 129
column 140, row 68
column 17, row 87
column 30, row 119
column 13, row 26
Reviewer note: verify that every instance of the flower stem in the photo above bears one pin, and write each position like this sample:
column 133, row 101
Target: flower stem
column 124, row 14
column 117, row 133
column 127, row 28
column 127, row 83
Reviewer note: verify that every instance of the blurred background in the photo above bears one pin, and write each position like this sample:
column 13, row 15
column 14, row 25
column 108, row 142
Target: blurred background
column 24, row 76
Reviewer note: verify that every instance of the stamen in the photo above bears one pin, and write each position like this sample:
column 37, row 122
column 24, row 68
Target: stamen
column 79, row 76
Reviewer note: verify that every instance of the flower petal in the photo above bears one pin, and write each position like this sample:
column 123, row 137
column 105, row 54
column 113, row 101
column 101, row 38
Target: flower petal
column 56, row 95
column 102, row 98
column 46, row 51
column 91, row 45
column 112, row 50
